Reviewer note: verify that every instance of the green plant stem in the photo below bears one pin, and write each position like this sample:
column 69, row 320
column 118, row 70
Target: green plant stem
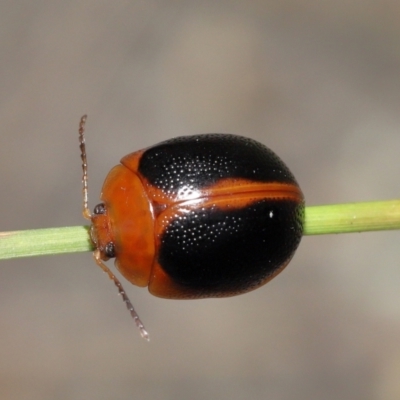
column 352, row 217
column 38, row 242
column 319, row 220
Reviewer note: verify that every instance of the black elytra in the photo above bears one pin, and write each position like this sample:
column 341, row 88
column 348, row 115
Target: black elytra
column 213, row 251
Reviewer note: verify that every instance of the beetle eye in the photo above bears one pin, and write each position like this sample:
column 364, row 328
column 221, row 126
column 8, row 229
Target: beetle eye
column 109, row 250
column 99, row 209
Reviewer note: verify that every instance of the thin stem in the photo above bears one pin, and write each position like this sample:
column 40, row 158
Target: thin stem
column 352, row 217
column 39, row 242
column 319, row 220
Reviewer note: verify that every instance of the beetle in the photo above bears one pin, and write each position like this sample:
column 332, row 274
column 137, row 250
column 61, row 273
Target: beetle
column 211, row 215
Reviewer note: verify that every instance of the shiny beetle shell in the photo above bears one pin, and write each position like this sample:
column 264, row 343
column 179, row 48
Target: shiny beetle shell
column 210, row 215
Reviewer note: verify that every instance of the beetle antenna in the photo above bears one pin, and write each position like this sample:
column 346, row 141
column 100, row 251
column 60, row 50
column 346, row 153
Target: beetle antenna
column 125, row 298
column 85, row 211
column 96, row 254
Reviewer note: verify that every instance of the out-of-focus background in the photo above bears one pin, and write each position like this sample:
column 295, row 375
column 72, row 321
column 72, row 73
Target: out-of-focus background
column 318, row 82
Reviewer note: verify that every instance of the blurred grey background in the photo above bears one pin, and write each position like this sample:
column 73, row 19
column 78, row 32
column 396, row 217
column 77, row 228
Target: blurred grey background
column 318, row 82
